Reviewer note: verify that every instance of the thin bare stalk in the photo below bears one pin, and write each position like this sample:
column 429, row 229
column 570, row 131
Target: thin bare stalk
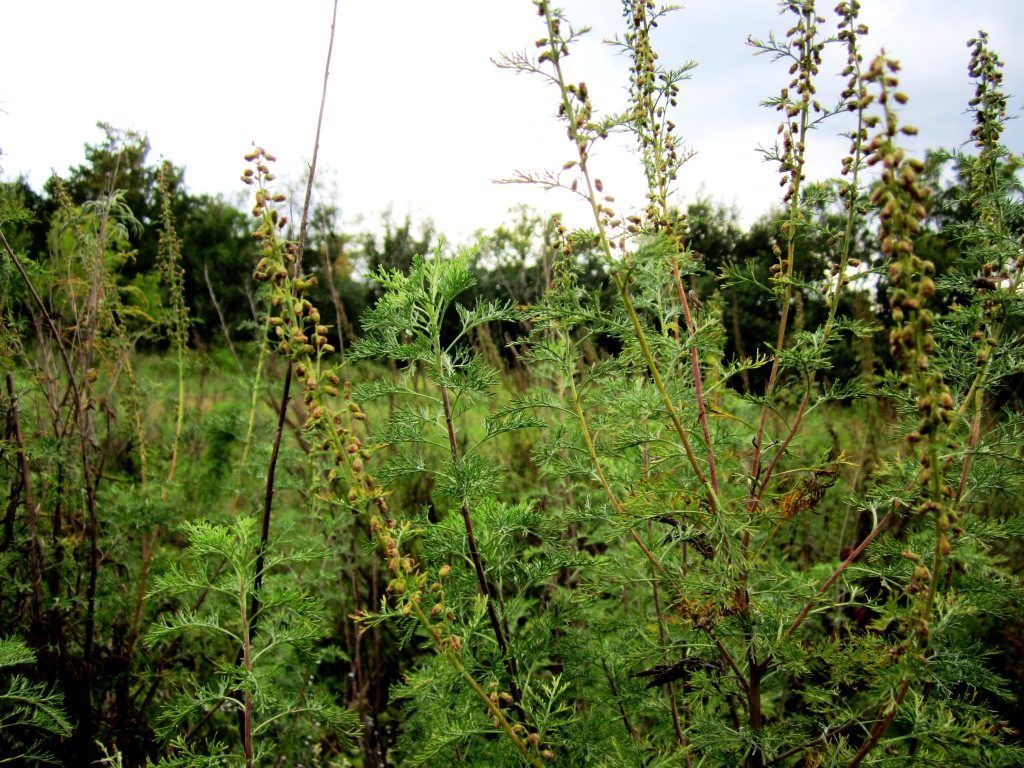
column 698, row 380
column 283, row 413
column 339, row 309
column 797, row 421
column 268, row 497
column 31, row 511
column 724, row 652
column 148, row 547
column 254, row 402
column 316, row 146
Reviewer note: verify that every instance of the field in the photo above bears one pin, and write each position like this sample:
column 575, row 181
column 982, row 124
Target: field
column 663, row 492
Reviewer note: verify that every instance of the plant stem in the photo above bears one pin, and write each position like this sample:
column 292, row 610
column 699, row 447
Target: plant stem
column 478, row 564
column 795, row 216
column 832, row 579
column 180, row 418
column 828, row 733
column 882, row 723
column 585, row 429
column 971, row 447
column 663, row 637
column 268, row 499
column 618, row 701
column 31, row 511
column 254, row 402
column 283, row 413
column 220, row 316
column 247, row 663
column 494, row 709
column 698, row 380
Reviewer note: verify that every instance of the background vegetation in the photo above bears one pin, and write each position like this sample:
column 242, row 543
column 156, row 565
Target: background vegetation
column 667, row 491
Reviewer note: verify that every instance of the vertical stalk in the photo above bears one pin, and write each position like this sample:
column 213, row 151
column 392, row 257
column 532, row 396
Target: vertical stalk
column 663, row 637
column 467, row 520
column 31, row 511
column 798, row 150
column 754, row 674
column 339, row 309
column 283, row 413
column 972, row 445
column 698, row 380
column 179, row 421
column 268, row 497
column 316, row 145
column 173, row 275
column 630, row 729
column 575, row 117
column 592, row 450
column 247, row 663
column 257, row 379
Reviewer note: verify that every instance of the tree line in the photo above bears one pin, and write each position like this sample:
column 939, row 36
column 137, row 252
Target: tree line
column 513, row 262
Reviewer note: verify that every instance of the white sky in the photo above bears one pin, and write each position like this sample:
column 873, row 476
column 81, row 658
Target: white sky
column 418, row 119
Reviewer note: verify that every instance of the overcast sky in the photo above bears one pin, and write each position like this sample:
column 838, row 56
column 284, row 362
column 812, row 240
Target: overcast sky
column 418, row 118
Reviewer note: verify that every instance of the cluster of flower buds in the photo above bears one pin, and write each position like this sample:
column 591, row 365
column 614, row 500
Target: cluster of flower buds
column 855, row 95
column 653, row 92
column 276, row 255
column 412, row 586
column 297, row 324
column 797, row 99
column 1002, row 267
column 900, row 199
column 301, row 335
column 349, row 456
column 259, row 157
column 989, row 102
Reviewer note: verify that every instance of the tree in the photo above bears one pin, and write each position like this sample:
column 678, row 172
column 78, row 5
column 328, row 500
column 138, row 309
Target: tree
column 118, row 162
column 396, row 248
column 217, row 259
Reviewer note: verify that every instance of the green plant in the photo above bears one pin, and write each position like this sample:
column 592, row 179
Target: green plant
column 677, row 535
column 717, row 612
column 27, row 710
column 173, row 277
column 265, row 687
